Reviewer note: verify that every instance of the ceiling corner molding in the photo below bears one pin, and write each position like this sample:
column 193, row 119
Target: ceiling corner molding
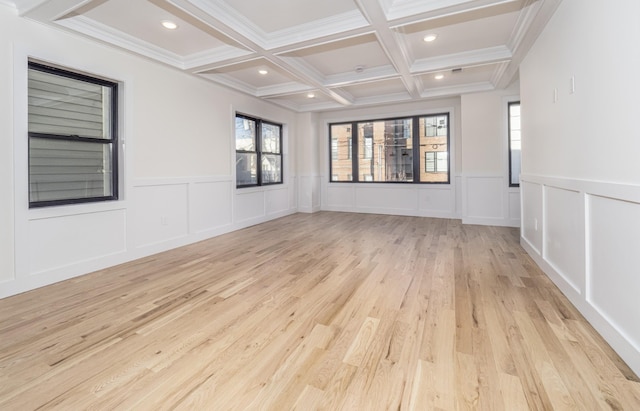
column 230, row 82
column 208, row 59
column 49, row 10
column 282, row 90
column 341, row 23
column 383, row 99
column 465, row 59
column 106, row 34
column 499, row 73
column 458, row 90
column 369, row 74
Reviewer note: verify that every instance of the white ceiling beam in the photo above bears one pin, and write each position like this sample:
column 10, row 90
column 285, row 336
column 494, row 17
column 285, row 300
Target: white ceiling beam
column 390, row 43
column 209, row 12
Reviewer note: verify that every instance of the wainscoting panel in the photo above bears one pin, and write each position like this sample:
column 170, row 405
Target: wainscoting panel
column 396, row 199
column 340, row 197
column 390, row 200
column 564, row 235
column 585, row 235
column 614, row 269
column 309, row 193
column 248, row 205
column 514, row 206
column 531, row 223
column 161, row 213
column 276, row 201
column 436, row 200
column 63, row 241
column 210, row 205
column 486, row 200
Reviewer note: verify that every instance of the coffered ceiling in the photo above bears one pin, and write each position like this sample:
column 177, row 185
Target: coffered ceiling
column 318, row 54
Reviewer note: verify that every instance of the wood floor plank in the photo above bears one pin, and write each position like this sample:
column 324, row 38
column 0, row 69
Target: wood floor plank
column 323, row 311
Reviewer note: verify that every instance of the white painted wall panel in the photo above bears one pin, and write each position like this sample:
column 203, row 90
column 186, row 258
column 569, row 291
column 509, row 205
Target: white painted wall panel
column 62, row 241
column 340, row 196
column 390, row 199
column 249, row 205
column 514, row 206
column 564, row 235
column 210, row 205
column 532, row 220
column 276, row 201
column 484, row 197
column 436, row 199
column 614, row 255
column 161, row 213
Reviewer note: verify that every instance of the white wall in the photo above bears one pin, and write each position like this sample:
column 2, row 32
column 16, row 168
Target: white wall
column 580, row 168
column 486, row 195
column 308, row 163
column 177, row 163
column 427, row 200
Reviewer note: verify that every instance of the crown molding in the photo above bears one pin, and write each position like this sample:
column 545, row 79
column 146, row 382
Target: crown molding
column 230, row 82
column 465, row 59
column 278, row 90
column 369, row 74
column 457, row 90
column 329, row 26
column 207, row 59
column 99, row 31
column 383, row 99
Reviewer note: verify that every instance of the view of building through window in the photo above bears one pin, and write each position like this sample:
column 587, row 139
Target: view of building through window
column 410, row 149
column 514, row 144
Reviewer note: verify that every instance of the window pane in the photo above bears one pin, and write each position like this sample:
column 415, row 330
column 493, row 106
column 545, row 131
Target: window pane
column 65, row 106
column 514, row 144
column 386, row 150
column 271, row 168
column 245, row 134
column 270, row 138
column 246, row 168
column 434, row 148
column 64, row 170
column 341, row 163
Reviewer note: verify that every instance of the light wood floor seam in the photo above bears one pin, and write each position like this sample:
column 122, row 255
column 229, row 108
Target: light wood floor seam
column 325, row 311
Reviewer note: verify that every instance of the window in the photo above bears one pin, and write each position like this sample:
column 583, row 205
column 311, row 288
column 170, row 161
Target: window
column 258, row 152
column 514, row 144
column 386, row 150
column 341, row 152
column 72, row 131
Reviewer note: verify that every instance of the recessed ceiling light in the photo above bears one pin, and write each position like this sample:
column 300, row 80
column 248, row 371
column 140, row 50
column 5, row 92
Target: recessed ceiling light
column 169, row 25
column 310, row 95
column 263, row 72
column 430, row 37
column 438, row 76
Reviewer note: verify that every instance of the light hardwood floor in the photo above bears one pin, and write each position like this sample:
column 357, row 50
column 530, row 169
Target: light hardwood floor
column 326, row 311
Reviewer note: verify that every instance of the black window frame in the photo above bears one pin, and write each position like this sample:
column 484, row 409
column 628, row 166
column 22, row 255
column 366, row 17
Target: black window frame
column 112, row 141
column 259, row 152
column 415, row 139
column 509, row 105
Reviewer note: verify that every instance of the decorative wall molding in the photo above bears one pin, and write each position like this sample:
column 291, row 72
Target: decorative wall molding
column 585, row 235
